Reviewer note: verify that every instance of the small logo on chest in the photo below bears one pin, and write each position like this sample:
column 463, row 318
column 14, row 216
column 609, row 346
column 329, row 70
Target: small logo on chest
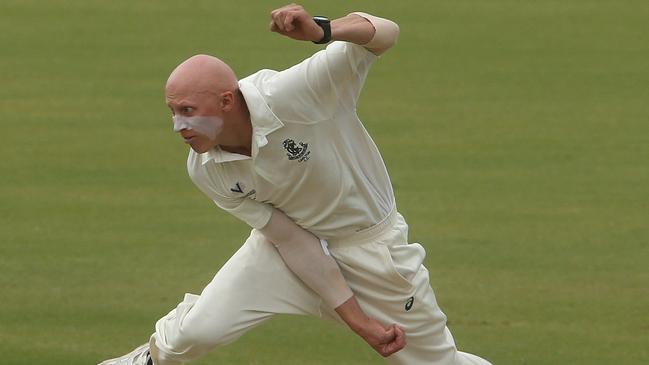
column 239, row 188
column 296, row 151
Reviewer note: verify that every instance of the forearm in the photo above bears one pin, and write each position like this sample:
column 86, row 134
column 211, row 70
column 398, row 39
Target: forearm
column 352, row 314
column 303, row 254
column 352, row 28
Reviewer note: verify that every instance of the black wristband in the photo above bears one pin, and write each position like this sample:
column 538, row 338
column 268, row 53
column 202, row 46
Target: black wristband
column 324, row 23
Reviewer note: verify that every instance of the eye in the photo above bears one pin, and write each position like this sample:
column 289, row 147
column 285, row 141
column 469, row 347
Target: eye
column 187, row 110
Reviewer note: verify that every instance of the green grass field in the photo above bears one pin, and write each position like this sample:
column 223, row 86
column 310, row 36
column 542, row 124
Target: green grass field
column 516, row 134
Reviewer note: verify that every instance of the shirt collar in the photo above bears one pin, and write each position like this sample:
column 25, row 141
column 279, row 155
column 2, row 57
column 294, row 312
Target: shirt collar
column 218, row 155
column 263, row 120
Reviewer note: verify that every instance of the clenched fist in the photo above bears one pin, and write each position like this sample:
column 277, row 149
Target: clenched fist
column 295, row 22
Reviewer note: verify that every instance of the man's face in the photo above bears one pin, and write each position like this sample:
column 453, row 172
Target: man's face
column 202, row 104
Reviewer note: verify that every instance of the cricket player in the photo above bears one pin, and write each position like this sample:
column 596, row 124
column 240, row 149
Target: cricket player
column 286, row 153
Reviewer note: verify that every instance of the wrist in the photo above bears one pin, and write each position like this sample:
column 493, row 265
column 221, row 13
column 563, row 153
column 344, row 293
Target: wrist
column 360, row 326
column 324, row 29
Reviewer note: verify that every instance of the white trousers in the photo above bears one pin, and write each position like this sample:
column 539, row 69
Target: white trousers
column 384, row 272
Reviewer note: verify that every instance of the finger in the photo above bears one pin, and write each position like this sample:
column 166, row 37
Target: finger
column 391, row 348
column 282, row 21
column 288, row 22
column 394, row 346
column 398, row 343
column 274, row 14
column 401, row 336
column 389, row 334
column 279, row 10
column 277, row 17
column 398, row 330
column 276, row 22
column 272, row 26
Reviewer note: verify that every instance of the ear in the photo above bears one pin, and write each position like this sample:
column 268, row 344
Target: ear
column 227, row 101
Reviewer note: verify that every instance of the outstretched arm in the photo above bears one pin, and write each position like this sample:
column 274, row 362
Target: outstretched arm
column 308, row 258
column 374, row 33
column 305, row 255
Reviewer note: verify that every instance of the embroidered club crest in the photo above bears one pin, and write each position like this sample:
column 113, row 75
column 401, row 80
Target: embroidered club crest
column 296, row 152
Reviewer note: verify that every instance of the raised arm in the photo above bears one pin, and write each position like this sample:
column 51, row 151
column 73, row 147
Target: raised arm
column 374, row 33
column 308, row 257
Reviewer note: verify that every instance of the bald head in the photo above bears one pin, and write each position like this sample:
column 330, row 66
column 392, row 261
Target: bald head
column 207, row 107
column 200, row 74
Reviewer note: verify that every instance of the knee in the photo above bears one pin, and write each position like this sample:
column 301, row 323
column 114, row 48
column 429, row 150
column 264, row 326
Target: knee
column 157, row 357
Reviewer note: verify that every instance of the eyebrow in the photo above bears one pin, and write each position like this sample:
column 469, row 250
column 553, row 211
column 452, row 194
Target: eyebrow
column 181, row 104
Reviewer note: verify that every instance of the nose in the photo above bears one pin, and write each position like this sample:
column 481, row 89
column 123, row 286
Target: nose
column 179, row 125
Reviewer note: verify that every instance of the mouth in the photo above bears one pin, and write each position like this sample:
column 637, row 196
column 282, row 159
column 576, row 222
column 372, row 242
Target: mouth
column 188, row 139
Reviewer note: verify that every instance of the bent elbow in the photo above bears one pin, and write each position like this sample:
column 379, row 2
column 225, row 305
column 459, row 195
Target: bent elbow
column 392, row 34
column 385, row 35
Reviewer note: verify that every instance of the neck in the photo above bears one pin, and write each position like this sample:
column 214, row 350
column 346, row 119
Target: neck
column 242, row 128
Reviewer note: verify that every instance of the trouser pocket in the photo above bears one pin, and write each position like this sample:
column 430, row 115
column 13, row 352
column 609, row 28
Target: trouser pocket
column 403, row 261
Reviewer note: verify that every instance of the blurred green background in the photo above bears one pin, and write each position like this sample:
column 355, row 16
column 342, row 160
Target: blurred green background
column 516, row 134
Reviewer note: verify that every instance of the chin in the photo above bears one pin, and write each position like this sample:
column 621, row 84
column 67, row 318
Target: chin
column 200, row 149
column 201, row 145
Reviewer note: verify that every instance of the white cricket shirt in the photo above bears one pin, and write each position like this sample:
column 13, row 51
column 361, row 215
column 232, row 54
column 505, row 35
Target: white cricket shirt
column 311, row 156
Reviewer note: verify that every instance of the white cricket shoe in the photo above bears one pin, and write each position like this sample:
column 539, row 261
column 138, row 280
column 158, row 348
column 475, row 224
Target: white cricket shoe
column 139, row 356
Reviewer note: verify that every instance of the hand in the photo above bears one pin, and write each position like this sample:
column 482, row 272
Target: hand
column 384, row 340
column 295, row 22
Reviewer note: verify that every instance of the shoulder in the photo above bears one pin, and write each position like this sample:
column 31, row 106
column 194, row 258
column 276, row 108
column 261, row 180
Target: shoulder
column 266, row 79
column 259, row 79
column 194, row 166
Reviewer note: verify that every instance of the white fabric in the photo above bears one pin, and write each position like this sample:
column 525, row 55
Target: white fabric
column 325, row 247
column 139, row 356
column 384, row 271
column 311, row 156
column 210, row 126
column 385, row 35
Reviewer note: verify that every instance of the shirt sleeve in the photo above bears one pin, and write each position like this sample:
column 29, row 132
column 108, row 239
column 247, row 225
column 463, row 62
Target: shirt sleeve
column 254, row 213
column 313, row 89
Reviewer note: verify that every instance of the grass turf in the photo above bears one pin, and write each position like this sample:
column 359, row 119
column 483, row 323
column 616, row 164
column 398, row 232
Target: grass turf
column 515, row 134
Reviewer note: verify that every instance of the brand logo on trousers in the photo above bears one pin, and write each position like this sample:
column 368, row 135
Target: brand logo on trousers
column 409, row 303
